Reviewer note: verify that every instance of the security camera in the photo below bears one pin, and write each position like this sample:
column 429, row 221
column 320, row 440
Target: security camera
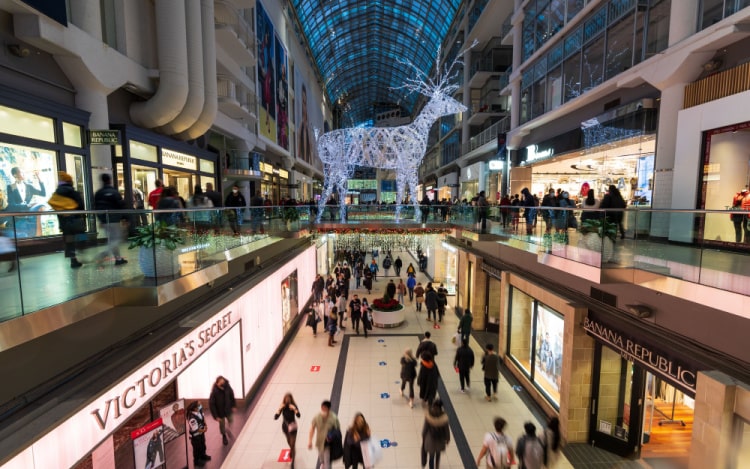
column 642, row 311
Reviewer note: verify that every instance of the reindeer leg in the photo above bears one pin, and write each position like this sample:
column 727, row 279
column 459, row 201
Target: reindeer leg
column 412, row 177
column 327, row 189
column 401, row 180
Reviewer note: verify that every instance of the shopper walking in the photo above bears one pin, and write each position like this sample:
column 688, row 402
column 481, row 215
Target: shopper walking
column 288, row 411
column 498, row 447
column 435, row 435
column 419, row 295
column 411, row 282
column 366, row 316
column 411, row 270
column 529, row 449
column 67, row 198
column 400, row 290
column 552, row 442
column 235, row 204
column 464, row 325
column 108, row 202
column 491, row 367
column 464, row 362
column 355, row 312
column 197, row 428
column 222, row 404
column 331, row 325
column 397, row 264
column 323, row 423
column 427, row 345
column 408, row 374
column 356, row 434
column 428, row 378
column 613, row 200
column 431, row 302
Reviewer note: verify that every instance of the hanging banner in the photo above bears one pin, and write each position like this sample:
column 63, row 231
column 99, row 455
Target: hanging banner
column 148, row 446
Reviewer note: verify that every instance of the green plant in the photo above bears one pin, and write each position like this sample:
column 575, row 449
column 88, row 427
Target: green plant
column 290, row 214
column 157, row 234
column 600, row 226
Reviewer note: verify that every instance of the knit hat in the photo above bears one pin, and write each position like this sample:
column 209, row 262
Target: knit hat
column 62, row 176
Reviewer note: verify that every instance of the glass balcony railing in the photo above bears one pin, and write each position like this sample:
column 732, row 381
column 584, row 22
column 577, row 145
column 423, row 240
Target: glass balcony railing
column 165, row 245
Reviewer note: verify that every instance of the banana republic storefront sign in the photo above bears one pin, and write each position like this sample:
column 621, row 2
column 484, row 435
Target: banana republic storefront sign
column 676, row 370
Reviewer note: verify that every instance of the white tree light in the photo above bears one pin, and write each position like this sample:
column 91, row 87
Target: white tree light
column 399, row 148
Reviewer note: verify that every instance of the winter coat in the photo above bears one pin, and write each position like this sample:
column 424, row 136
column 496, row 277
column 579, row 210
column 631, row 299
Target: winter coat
column 408, row 369
column 491, row 366
column 222, row 401
column 464, row 325
column 427, row 346
column 435, row 432
column 108, row 198
column 464, row 358
column 431, row 299
column 428, row 380
column 70, row 224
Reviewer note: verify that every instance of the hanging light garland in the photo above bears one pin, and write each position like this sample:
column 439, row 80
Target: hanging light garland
column 394, row 239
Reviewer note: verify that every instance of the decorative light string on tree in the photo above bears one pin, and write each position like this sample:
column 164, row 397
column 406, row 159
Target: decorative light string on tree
column 382, row 239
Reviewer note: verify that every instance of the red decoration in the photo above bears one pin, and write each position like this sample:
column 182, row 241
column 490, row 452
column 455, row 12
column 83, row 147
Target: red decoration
column 383, row 305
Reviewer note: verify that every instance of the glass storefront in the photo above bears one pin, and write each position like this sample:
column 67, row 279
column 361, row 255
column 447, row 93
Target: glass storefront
column 726, row 173
column 627, row 164
column 28, row 172
column 535, row 343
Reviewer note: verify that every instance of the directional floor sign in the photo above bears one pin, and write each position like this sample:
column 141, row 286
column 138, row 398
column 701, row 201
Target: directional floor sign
column 285, row 456
column 382, row 363
column 384, row 395
column 380, row 341
column 387, row 443
column 436, row 326
column 315, row 368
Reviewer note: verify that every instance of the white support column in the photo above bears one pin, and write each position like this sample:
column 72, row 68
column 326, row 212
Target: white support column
column 683, row 20
column 94, row 101
column 671, row 103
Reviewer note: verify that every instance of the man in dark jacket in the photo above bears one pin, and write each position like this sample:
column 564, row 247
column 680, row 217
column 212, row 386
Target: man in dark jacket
column 431, row 302
column 397, row 264
column 222, row 404
column 108, row 200
column 464, row 362
column 464, row 325
column 235, row 202
column 427, row 345
column 67, row 198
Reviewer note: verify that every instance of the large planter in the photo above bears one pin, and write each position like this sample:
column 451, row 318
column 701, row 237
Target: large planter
column 158, row 262
column 603, row 246
column 388, row 319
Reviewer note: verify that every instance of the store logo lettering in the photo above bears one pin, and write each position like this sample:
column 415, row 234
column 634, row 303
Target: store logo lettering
column 147, row 383
column 633, row 351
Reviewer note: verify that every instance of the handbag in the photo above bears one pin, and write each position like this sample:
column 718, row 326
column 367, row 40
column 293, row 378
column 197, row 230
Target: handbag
column 291, row 427
column 334, row 444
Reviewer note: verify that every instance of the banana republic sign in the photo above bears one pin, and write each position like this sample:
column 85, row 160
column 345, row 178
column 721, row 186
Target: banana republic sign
column 678, row 371
column 135, row 390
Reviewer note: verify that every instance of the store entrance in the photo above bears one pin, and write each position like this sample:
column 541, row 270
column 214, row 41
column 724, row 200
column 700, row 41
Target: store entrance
column 182, row 181
column 667, row 420
column 616, row 403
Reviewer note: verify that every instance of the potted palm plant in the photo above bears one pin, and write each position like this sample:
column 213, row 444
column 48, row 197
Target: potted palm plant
column 599, row 236
column 157, row 243
column 289, row 214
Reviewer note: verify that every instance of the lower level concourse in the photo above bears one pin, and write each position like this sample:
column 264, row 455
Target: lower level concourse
column 626, row 394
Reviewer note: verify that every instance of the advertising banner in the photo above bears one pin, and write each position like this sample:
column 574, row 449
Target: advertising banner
column 148, row 446
column 173, row 417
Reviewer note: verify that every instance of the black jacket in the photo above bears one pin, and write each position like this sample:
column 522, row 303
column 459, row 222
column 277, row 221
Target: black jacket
column 464, row 358
column 222, row 401
column 108, row 198
column 431, row 299
column 427, row 346
column 408, row 369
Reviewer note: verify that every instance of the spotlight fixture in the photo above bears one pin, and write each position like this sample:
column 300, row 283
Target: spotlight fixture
column 642, row 311
column 18, row 50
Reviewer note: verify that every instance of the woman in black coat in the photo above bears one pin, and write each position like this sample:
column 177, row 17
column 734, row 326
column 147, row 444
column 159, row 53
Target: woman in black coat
column 408, row 374
column 428, row 378
column 613, row 199
column 70, row 225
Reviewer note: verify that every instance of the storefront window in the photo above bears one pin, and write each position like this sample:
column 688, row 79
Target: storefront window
column 742, row 456
column 554, row 89
column 572, row 77
column 521, row 331
column 143, row 151
column 726, row 172
column 72, row 135
column 29, row 177
column 549, row 343
column 25, row 124
column 207, row 166
column 620, row 47
column 535, row 343
column 592, row 71
column 658, row 27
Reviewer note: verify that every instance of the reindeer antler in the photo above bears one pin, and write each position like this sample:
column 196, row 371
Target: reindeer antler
column 442, row 82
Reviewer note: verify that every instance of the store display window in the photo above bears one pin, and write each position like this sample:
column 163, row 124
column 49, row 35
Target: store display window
column 535, row 343
column 726, row 174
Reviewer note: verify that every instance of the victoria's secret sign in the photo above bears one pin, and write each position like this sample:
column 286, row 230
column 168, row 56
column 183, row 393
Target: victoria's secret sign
column 680, row 373
column 143, row 384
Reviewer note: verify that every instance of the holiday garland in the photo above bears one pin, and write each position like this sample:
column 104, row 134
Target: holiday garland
column 386, row 239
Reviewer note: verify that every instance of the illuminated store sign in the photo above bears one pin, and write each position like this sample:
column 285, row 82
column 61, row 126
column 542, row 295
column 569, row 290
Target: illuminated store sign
column 496, row 165
column 682, row 374
column 180, row 160
column 533, row 153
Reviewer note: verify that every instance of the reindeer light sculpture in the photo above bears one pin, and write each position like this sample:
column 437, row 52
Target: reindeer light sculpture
column 399, row 148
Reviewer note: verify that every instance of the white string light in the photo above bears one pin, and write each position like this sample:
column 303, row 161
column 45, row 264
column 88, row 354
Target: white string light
column 399, row 148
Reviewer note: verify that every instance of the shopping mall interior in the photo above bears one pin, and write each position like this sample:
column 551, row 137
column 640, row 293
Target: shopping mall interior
column 206, row 161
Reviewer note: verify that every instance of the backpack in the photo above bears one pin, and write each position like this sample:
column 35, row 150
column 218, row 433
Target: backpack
column 533, row 453
column 387, row 263
column 499, row 452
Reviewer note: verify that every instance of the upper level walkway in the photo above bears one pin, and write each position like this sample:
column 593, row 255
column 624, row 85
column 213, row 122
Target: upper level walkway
column 33, row 278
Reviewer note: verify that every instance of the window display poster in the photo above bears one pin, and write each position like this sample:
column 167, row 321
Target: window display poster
column 28, row 177
column 282, row 96
column 549, row 343
column 289, row 300
column 266, row 74
column 148, row 446
column 173, row 417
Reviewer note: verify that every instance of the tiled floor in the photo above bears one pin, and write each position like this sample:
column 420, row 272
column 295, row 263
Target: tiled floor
column 368, row 382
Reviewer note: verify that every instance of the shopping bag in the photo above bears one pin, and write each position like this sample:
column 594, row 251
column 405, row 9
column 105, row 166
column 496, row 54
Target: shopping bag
column 372, row 453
